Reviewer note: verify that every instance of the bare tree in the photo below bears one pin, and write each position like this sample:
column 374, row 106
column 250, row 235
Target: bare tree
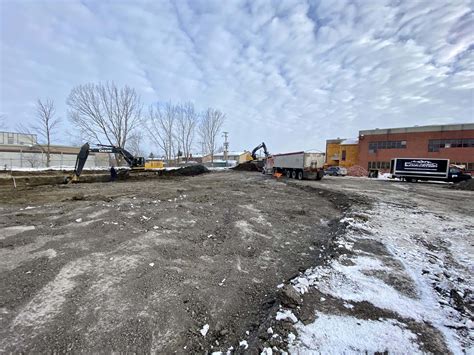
column 46, row 124
column 209, row 129
column 134, row 144
column 3, row 121
column 161, row 126
column 186, row 123
column 104, row 112
column 33, row 159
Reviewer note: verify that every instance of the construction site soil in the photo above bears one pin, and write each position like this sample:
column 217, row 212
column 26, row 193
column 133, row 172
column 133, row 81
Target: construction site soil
column 173, row 264
column 144, row 265
column 464, row 185
column 247, row 166
column 55, row 177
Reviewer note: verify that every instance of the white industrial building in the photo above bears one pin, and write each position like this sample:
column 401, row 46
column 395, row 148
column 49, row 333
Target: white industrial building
column 22, row 151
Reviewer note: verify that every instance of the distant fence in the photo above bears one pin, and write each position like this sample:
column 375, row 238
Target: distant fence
column 28, row 160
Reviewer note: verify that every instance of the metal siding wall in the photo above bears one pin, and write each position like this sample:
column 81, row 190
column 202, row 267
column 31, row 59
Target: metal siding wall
column 9, row 160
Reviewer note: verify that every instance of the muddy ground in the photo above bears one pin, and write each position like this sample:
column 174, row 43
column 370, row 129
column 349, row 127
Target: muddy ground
column 144, row 265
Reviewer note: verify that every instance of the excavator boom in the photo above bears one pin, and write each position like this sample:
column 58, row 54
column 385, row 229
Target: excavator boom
column 132, row 161
column 260, row 146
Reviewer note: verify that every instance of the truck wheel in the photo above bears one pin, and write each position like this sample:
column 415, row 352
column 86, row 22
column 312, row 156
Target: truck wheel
column 288, row 174
column 293, row 174
column 300, row 175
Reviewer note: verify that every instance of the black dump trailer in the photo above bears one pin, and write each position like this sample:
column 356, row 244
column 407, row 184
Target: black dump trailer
column 414, row 169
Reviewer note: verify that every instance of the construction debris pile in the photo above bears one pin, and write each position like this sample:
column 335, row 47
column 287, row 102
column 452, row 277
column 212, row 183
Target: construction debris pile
column 247, row 166
column 357, row 170
column 190, row 170
column 464, row 185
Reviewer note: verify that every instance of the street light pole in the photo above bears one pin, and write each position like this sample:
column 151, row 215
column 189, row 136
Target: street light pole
column 226, row 146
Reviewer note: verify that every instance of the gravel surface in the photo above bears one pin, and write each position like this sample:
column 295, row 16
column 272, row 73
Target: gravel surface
column 237, row 260
column 143, row 266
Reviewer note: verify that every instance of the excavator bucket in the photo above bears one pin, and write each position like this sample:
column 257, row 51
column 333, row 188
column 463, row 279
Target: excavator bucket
column 81, row 160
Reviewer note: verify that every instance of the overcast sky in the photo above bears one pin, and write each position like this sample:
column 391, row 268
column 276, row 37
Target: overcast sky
column 290, row 73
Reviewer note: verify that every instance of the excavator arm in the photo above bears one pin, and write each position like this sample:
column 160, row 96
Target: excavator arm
column 260, row 146
column 132, row 161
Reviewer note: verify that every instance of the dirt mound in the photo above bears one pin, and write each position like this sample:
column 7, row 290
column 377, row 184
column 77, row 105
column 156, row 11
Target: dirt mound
column 187, row 171
column 357, row 170
column 247, row 166
column 464, row 185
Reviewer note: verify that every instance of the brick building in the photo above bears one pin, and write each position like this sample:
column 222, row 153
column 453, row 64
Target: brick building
column 455, row 142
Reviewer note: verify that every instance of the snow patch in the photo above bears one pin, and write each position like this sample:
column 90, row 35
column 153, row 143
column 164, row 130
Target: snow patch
column 331, row 334
column 286, row 315
column 244, row 344
column 427, row 266
column 204, row 330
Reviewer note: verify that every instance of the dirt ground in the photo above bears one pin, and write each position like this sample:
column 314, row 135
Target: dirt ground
column 145, row 265
column 151, row 265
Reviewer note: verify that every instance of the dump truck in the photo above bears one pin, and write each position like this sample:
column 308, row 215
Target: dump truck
column 427, row 169
column 297, row 165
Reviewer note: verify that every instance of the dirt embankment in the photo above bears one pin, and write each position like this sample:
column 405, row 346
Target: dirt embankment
column 464, row 185
column 54, row 177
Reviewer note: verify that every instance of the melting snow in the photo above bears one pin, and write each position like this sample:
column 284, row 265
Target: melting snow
column 331, row 334
column 244, row 344
column 286, row 314
column 410, row 243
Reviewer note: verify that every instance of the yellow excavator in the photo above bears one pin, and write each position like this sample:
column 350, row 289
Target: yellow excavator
column 255, row 164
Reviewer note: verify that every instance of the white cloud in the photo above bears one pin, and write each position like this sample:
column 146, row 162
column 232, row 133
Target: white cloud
column 289, row 73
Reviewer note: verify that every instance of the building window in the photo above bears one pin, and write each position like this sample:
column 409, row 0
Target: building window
column 378, row 165
column 434, row 145
column 374, row 146
column 343, row 155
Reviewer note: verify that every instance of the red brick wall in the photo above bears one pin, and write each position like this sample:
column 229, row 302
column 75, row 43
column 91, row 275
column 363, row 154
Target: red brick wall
column 417, row 147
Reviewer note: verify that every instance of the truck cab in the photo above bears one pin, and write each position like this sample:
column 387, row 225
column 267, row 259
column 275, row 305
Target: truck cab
column 457, row 174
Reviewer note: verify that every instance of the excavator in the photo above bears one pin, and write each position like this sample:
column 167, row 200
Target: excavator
column 132, row 161
column 255, row 164
column 258, row 147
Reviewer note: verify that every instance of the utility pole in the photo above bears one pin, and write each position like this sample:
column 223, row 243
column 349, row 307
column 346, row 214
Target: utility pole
column 203, row 150
column 226, row 146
